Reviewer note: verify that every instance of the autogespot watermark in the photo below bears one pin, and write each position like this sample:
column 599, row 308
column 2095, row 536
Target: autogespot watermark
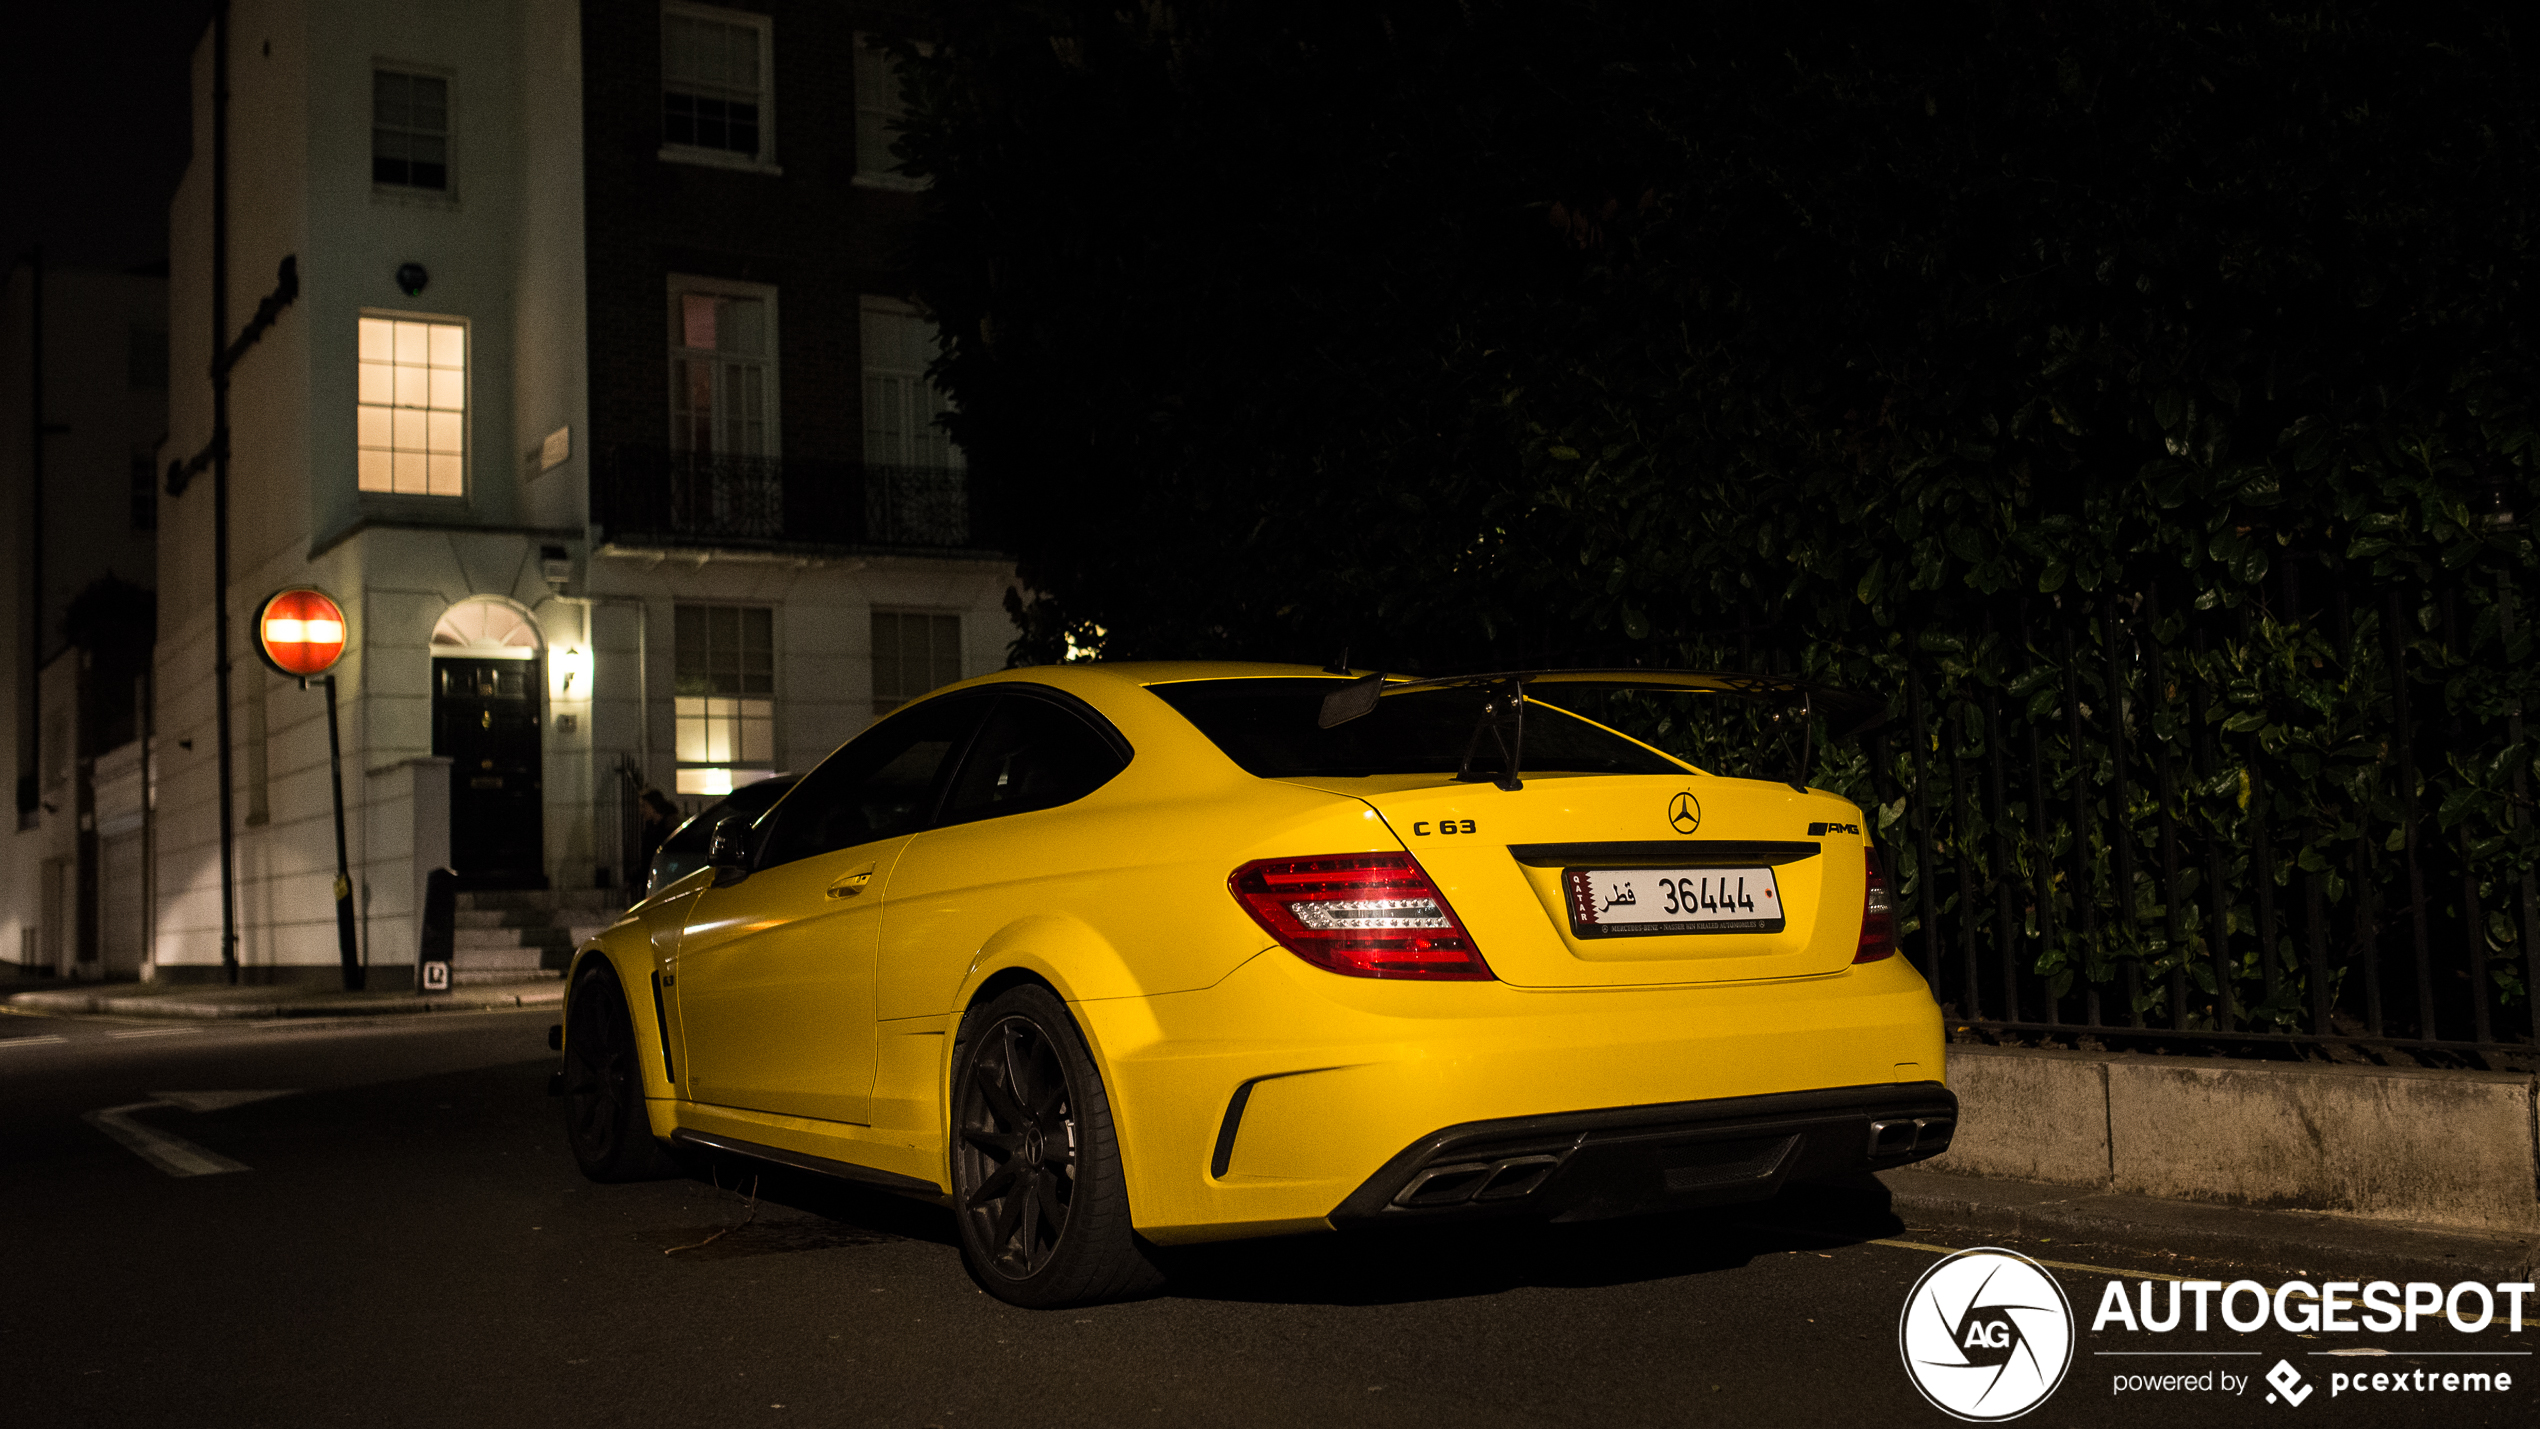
column 2299, row 1307
column 1986, row 1334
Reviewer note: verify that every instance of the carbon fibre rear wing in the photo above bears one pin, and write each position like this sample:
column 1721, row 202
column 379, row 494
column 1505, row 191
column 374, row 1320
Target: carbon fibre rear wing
column 1503, row 717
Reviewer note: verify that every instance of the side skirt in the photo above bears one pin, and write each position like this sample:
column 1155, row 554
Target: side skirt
column 890, row 1181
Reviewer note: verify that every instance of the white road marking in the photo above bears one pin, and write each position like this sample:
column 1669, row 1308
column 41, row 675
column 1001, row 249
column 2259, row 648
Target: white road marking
column 172, row 1154
column 44, row 1040
column 153, row 1032
column 217, row 1101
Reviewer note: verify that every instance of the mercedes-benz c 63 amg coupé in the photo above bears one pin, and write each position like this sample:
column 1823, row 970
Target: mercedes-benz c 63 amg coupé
column 1112, row 957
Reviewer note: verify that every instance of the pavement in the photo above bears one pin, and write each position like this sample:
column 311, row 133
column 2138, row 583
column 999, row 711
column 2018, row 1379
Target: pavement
column 2033, row 1211
column 219, row 1002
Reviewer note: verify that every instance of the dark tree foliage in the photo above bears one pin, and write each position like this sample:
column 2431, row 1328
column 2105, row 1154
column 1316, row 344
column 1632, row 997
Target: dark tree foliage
column 1439, row 330
column 2023, row 355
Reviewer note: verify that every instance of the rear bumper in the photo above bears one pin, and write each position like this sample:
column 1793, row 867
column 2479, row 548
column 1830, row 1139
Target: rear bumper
column 1259, row 1106
column 1572, row 1166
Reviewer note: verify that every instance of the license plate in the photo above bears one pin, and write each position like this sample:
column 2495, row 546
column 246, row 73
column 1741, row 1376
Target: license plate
column 1625, row 902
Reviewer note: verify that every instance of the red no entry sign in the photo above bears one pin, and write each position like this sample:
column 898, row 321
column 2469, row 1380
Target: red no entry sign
column 300, row 631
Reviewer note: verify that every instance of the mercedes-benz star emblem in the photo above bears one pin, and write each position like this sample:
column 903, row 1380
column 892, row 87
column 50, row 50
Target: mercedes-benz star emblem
column 1684, row 813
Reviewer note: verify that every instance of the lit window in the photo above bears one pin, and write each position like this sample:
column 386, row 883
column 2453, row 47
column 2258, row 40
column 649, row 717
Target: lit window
column 714, row 70
column 913, row 652
column 413, row 409
column 900, row 405
column 722, row 369
column 409, row 130
column 724, row 696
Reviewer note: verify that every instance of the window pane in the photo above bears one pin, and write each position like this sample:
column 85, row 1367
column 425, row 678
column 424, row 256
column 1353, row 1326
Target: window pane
column 705, row 781
column 744, row 326
column 879, row 785
column 388, row 97
column 411, row 388
column 696, row 320
column 1031, row 754
column 945, row 643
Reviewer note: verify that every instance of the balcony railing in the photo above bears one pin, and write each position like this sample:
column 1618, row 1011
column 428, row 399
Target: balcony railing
column 651, row 496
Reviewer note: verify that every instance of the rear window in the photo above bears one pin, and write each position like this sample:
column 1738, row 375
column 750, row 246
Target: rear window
column 1268, row 727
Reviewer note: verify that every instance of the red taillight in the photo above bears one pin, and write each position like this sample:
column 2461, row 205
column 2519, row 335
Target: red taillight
column 1363, row 914
column 1878, row 915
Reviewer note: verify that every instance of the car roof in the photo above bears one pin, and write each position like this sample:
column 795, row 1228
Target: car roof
column 1097, row 675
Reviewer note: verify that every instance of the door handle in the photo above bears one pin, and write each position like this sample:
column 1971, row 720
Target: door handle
column 851, row 883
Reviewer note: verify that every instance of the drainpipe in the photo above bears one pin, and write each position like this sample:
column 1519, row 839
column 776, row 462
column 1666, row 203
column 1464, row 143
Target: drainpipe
column 220, row 488
column 31, row 797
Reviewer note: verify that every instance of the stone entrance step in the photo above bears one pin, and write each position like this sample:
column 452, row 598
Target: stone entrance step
column 513, row 935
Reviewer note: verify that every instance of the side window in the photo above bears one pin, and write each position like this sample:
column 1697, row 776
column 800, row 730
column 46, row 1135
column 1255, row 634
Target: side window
column 1031, row 754
column 881, row 784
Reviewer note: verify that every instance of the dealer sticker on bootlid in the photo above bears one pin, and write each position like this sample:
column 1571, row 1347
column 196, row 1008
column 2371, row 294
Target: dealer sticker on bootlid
column 1627, row 902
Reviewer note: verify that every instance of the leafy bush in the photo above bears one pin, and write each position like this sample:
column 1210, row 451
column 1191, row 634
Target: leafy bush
column 1912, row 343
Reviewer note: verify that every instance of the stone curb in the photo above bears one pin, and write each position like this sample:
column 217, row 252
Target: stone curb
column 2318, row 1243
column 182, row 1006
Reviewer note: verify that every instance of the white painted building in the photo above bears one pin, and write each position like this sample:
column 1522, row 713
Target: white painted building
column 83, row 380
column 599, row 410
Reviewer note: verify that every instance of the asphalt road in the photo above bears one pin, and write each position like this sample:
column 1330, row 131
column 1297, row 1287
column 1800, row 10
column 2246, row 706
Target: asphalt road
column 409, row 1244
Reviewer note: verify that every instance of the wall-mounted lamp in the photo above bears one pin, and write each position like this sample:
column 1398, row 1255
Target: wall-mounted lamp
column 571, row 665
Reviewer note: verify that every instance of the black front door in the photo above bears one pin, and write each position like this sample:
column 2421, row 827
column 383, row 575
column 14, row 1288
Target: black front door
column 485, row 722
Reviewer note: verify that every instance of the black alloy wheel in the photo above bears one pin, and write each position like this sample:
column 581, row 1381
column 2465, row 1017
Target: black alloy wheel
column 1037, row 1186
column 605, row 1121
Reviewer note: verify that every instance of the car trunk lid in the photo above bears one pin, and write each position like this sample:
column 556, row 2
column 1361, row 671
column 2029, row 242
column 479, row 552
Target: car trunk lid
column 1577, row 881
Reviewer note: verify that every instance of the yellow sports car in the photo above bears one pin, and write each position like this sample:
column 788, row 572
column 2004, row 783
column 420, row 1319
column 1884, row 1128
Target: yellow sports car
column 1116, row 956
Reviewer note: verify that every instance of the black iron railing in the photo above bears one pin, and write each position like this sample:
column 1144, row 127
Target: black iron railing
column 651, row 496
column 2303, row 817
column 2142, row 824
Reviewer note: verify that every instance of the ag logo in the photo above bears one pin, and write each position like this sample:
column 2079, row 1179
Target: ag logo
column 1684, row 813
column 1986, row 1335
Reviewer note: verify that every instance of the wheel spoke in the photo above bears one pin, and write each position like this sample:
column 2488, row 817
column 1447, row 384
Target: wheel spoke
column 1016, row 1053
column 1009, row 1215
column 1048, row 1211
column 1001, row 1102
column 1003, row 1143
column 1027, row 1238
column 999, row 1183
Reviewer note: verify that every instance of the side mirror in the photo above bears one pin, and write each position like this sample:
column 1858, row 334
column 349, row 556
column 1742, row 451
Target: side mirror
column 729, row 849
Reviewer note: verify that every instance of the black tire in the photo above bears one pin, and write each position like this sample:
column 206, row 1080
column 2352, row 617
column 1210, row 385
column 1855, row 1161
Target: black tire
column 1037, row 1186
column 604, row 1118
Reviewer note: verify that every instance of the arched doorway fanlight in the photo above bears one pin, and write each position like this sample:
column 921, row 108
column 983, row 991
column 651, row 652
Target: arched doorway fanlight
column 486, row 630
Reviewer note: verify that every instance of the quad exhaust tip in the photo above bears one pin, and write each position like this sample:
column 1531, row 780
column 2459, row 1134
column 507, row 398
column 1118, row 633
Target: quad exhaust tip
column 1505, row 1179
column 1914, row 1136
